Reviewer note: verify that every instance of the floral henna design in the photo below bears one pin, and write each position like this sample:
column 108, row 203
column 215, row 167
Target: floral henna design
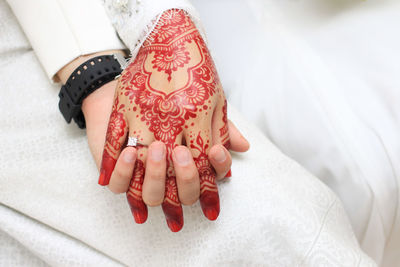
column 134, row 194
column 171, row 87
column 171, row 207
column 166, row 113
column 169, row 61
column 116, row 128
column 116, row 131
column 209, row 198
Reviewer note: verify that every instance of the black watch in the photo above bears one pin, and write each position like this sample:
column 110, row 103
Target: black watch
column 88, row 77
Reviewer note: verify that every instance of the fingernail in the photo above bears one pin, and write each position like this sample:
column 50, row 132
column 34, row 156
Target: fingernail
column 182, row 156
column 220, row 155
column 174, row 226
column 211, row 214
column 102, row 178
column 138, row 209
column 129, row 156
column 174, row 216
column 157, row 151
column 209, row 201
column 228, row 174
column 107, row 167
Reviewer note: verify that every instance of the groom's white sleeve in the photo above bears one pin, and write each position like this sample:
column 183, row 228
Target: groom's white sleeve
column 60, row 31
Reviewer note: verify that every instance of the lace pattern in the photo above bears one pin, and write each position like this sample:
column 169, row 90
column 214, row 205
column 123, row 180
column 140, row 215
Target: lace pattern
column 134, row 20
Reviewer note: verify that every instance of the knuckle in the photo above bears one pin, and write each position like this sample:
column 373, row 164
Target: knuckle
column 121, row 172
column 155, row 163
column 155, row 175
column 188, row 178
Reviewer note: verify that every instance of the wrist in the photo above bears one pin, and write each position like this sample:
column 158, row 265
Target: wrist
column 93, row 72
column 64, row 73
column 99, row 100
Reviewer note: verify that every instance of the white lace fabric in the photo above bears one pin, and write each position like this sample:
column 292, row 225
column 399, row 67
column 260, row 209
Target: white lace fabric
column 135, row 19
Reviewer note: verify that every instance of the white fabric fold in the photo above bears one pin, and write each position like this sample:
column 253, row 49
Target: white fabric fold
column 43, row 245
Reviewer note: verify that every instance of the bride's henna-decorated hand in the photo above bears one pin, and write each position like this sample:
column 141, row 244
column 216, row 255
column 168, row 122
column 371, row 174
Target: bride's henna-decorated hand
column 171, row 93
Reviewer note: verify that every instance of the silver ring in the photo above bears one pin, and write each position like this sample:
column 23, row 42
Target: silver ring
column 133, row 141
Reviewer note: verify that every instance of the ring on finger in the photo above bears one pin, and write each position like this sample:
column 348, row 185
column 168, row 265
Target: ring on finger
column 134, row 142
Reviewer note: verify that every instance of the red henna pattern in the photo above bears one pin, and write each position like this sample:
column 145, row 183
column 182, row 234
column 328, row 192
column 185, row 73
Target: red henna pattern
column 115, row 131
column 107, row 167
column 134, row 194
column 223, row 131
column 173, row 212
column 171, row 190
column 170, row 60
column 209, row 198
column 171, row 25
column 116, row 128
column 166, row 114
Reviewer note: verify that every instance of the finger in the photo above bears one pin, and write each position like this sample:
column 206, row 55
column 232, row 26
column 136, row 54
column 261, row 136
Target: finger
column 220, row 131
column 209, row 198
column 187, row 177
column 171, row 205
column 154, row 179
column 238, row 142
column 115, row 138
column 122, row 174
column 221, row 160
column 134, row 194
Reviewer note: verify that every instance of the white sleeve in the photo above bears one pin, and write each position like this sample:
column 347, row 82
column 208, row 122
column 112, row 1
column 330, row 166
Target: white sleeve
column 61, row 30
column 135, row 20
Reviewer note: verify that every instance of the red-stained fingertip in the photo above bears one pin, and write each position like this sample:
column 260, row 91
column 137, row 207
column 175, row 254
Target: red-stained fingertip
column 174, row 216
column 174, row 225
column 138, row 209
column 211, row 213
column 139, row 217
column 209, row 202
column 103, row 179
column 107, row 167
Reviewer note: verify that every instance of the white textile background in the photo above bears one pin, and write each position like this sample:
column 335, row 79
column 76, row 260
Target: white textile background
column 321, row 79
column 273, row 212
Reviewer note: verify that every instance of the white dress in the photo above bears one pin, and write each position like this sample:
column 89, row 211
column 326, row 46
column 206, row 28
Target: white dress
column 52, row 212
column 321, row 80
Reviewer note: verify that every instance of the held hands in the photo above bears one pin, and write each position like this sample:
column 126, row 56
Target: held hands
column 170, row 93
column 97, row 108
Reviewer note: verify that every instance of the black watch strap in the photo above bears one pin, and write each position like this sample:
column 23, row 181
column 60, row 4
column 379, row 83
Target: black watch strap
column 88, row 77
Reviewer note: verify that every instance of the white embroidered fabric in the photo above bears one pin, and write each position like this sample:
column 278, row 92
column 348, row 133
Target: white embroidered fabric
column 52, row 212
column 135, row 19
